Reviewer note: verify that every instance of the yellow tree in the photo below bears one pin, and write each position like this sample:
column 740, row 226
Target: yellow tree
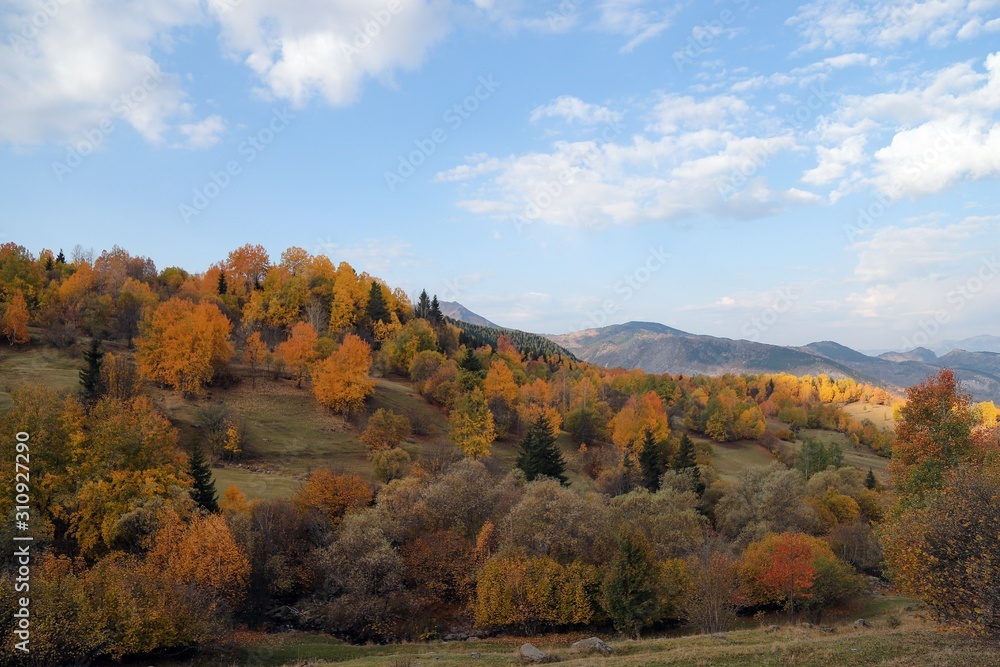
column 299, row 351
column 472, row 428
column 639, row 414
column 501, row 392
column 183, row 345
column 341, row 382
column 15, row 319
column 247, row 266
column 255, row 352
column 333, row 496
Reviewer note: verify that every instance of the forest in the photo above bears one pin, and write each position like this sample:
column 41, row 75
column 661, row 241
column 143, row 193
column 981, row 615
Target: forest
column 610, row 515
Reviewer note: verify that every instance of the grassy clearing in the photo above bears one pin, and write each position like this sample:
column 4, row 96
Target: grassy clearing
column 911, row 642
column 881, row 415
column 37, row 366
column 861, row 457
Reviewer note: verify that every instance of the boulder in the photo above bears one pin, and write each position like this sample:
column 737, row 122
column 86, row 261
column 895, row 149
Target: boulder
column 476, row 655
column 592, row 645
column 772, row 628
column 531, row 654
column 862, row 623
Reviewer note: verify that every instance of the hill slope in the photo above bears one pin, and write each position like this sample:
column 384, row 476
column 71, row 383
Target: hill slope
column 457, row 311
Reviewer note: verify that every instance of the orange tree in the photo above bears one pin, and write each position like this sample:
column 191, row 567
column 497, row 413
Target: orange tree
column 183, row 345
column 341, row 382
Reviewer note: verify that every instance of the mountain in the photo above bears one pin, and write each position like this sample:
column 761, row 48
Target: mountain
column 916, row 354
column 984, row 343
column 457, row 311
column 656, row 348
column 534, row 345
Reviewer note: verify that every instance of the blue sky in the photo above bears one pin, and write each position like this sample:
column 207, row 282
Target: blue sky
column 825, row 170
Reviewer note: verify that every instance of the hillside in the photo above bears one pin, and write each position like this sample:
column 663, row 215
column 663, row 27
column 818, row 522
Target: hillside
column 656, row 348
column 457, row 311
column 476, row 335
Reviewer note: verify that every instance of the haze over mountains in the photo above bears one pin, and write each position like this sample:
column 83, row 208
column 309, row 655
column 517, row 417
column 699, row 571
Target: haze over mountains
column 657, row 348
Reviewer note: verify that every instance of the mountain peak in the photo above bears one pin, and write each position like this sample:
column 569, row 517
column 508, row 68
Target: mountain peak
column 457, row 311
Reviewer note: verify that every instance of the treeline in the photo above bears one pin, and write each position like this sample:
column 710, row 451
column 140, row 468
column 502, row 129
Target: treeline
column 533, row 345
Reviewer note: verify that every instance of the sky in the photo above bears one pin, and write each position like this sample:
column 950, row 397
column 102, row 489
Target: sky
column 780, row 172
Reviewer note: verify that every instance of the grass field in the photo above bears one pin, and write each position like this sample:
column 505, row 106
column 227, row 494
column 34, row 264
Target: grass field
column 898, row 637
column 881, row 415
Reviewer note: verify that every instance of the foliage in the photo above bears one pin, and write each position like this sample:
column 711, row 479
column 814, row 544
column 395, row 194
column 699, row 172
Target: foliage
column 299, row 351
column 815, row 457
column 385, row 430
column 712, row 595
column 14, row 319
column 472, row 428
column 333, row 496
column 202, row 486
column 184, row 345
column 631, row 591
column 651, row 462
column 389, row 464
column 531, row 345
column 90, row 377
column 341, row 382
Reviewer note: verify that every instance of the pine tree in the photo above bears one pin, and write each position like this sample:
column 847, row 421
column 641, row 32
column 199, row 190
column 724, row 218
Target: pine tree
column 376, row 311
column 651, row 462
column 870, row 481
column 540, row 456
column 48, row 262
column 90, row 377
column 631, row 591
column 685, row 462
column 423, row 308
column 60, row 258
column 436, row 317
column 203, row 490
column 470, row 362
column 223, row 287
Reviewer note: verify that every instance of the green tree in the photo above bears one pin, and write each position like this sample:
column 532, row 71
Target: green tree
column 540, row 456
column 870, row 481
column 423, row 307
column 377, row 310
column 816, row 457
column 651, row 462
column 222, row 286
column 203, row 489
column 686, row 463
column 90, row 377
column 631, row 589
column 436, row 317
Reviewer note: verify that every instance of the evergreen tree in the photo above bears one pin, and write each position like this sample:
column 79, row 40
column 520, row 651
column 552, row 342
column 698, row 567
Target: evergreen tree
column 651, row 462
column 223, row 287
column 470, row 362
column 870, row 481
column 423, row 307
column 435, row 315
column 540, row 456
column 203, row 489
column 48, row 263
column 90, row 377
column 631, row 590
column 376, row 311
column 60, row 258
column 685, row 462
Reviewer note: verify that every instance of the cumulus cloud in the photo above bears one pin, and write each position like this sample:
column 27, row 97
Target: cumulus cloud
column 573, row 109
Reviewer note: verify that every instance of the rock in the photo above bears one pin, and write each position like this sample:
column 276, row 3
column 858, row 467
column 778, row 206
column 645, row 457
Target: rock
column 862, row 623
column 827, row 628
column 592, row 645
column 719, row 635
column 806, row 625
column 475, row 656
column 472, row 639
column 772, row 628
column 531, row 654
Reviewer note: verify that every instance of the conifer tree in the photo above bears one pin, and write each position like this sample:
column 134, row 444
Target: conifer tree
column 540, row 456
column 870, row 481
column 203, row 490
column 685, row 462
column 60, row 258
column 90, row 377
column 376, row 311
column 223, row 287
column 631, row 590
column 651, row 462
column 423, row 308
column 436, row 317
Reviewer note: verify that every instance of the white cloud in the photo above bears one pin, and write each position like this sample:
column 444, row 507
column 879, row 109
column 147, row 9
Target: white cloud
column 87, row 65
column 827, row 24
column 639, row 20
column 573, row 109
column 834, row 162
column 379, row 257
column 675, row 112
column 305, row 48
column 203, row 134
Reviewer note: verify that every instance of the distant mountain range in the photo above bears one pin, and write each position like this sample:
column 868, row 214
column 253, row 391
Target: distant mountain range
column 657, row 348
column 457, row 311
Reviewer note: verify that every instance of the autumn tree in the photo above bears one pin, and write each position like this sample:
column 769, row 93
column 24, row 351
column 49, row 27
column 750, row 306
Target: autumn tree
column 639, row 414
column 501, row 392
column 713, row 594
column 935, row 433
column 341, row 382
column 247, row 265
column 385, row 430
column 255, row 353
column 540, row 455
column 472, row 428
column 299, row 351
column 332, row 496
column 184, row 345
column 14, row 323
